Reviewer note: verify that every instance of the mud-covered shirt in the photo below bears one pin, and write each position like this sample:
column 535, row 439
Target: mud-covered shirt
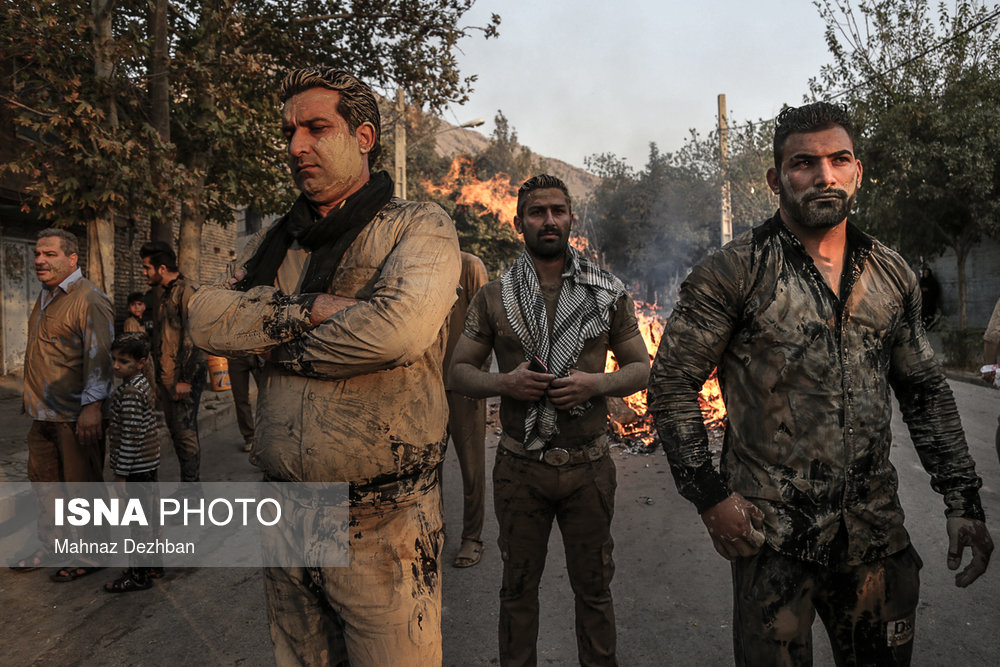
column 487, row 323
column 67, row 363
column 177, row 357
column 805, row 377
column 359, row 398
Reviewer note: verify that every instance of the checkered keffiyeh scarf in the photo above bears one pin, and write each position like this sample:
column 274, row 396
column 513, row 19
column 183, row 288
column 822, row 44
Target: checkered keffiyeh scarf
column 583, row 312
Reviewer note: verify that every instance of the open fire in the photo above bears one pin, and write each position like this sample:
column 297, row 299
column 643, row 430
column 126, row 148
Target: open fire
column 629, row 421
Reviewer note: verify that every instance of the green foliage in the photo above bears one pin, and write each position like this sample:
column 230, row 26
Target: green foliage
column 922, row 84
column 94, row 152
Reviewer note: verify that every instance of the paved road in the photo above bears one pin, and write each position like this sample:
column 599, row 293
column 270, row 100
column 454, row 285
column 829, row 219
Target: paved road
column 672, row 591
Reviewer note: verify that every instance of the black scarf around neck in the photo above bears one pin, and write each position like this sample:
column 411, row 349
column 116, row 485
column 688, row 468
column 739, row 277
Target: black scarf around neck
column 325, row 238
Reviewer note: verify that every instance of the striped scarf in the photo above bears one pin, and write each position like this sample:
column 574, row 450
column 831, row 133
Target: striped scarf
column 583, row 312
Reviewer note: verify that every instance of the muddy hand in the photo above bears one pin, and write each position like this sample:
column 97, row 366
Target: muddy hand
column 735, row 527
column 574, row 389
column 968, row 533
column 524, row 384
column 88, row 424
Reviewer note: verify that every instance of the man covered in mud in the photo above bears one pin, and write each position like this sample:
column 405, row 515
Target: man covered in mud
column 67, row 378
column 551, row 320
column 810, row 323
column 467, row 422
column 346, row 297
column 180, row 367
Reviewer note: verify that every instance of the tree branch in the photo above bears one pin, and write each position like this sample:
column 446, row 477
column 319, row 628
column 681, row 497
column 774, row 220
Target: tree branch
column 27, row 108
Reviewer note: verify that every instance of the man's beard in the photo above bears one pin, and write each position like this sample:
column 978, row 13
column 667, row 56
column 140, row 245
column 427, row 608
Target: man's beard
column 815, row 213
column 547, row 250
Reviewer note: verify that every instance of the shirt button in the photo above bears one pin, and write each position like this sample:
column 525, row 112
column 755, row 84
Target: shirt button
column 312, row 396
column 310, row 450
column 850, row 431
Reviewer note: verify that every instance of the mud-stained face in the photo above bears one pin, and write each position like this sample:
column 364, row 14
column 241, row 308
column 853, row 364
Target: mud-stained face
column 819, row 178
column 125, row 366
column 546, row 222
column 52, row 264
column 327, row 160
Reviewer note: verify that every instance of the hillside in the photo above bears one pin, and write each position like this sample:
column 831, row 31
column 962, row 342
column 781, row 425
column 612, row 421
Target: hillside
column 456, row 141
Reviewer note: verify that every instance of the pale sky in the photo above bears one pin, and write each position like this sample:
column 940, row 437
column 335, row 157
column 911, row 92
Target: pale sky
column 577, row 77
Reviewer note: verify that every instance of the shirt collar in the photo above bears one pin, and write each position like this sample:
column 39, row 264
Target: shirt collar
column 70, row 279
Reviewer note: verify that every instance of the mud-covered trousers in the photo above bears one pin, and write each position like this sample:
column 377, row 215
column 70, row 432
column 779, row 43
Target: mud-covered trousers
column 467, row 427
column 868, row 610
column 527, row 495
column 385, row 609
column 55, row 455
column 182, row 422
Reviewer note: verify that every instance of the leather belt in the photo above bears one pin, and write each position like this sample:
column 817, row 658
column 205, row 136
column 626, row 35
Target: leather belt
column 558, row 456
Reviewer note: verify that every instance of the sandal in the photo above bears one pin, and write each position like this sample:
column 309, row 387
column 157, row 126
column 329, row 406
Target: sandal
column 73, row 573
column 469, row 555
column 127, row 583
column 32, row 562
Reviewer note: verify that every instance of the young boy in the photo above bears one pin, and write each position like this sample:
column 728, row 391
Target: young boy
column 136, row 307
column 134, row 444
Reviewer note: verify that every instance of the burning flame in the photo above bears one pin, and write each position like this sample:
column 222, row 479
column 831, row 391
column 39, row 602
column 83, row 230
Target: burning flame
column 641, row 429
column 497, row 196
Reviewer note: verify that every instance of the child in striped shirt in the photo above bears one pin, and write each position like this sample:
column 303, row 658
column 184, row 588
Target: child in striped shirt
column 134, row 443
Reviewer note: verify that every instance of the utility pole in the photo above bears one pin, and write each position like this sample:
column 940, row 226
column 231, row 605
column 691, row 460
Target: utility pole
column 727, row 203
column 400, row 144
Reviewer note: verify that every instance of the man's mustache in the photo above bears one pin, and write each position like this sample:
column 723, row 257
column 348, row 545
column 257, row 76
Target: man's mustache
column 826, row 194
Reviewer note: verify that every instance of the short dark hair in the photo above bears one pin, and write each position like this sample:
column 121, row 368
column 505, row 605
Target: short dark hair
column 159, row 254
column 357, row 104
column 70, row 245
column 809, row 118
column 136, row 296
column 135, row 344
column 540, row 182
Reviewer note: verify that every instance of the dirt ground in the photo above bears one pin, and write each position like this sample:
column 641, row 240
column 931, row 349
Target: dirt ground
column 672, row 591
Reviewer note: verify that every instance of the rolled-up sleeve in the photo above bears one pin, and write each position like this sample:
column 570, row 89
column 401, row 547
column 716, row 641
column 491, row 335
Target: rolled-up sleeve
column 97, row 331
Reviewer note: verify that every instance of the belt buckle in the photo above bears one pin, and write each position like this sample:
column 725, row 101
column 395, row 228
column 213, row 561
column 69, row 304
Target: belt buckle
column 557, row 456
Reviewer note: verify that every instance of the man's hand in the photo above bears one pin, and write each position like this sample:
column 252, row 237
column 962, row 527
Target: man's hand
column 734, row 525
column 523, row 384
column 238, row 275
column 88, row 424
column 968, row 533
column 575, row 389
column 182, row 390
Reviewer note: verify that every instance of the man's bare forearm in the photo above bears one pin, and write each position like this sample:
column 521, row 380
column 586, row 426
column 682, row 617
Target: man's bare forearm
column 627, row 380
column 470, row 381
column 326, row 305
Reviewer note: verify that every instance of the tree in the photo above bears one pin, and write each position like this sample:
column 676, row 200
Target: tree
column 921, row 84
column 88, row 90
column 504, row 154
column 651, row 226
